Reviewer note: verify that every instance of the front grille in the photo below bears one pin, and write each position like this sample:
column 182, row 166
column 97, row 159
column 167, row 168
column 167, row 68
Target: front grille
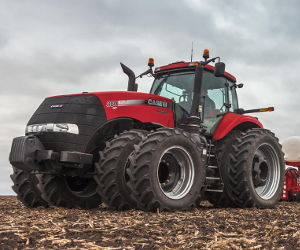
column 84, row 110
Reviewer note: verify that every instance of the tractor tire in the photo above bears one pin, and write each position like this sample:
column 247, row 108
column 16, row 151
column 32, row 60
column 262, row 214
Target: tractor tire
column 220, row 200
column 298, row 196
column 68, row 192
column 111, row 169
column 222, row 148
column 25, row 186
column 254, row 169
column 168, row 172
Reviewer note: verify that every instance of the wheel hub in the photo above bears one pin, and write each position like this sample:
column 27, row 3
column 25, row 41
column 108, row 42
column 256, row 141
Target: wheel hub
column 265, row 171
column 260, row 171
column 175, row 172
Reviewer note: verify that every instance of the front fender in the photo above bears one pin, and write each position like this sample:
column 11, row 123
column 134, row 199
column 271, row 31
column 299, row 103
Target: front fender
column 231, row 121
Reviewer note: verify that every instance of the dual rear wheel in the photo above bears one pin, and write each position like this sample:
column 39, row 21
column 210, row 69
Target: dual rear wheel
column 252, row 168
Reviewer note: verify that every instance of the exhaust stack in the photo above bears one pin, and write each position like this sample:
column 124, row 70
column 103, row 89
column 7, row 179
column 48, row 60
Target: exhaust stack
column 132, row 86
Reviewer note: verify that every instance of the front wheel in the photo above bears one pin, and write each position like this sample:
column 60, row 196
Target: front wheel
column 70, row 192
column 168, row 173
column 25, row 186
column 254, row 170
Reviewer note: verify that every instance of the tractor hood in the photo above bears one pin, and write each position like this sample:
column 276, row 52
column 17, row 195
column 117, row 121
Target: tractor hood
column 144, row 107
column 80, row 115
column 140, row 106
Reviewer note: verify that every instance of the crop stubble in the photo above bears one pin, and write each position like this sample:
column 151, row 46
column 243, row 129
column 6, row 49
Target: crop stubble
column 205, row 227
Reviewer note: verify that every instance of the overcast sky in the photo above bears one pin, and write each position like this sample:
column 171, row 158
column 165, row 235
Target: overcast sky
column 58, row 47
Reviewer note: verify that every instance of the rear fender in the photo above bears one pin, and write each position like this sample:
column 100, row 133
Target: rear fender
column 232, row 121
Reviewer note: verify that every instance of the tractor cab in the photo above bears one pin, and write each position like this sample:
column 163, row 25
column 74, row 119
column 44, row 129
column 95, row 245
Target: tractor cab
column 176, row 82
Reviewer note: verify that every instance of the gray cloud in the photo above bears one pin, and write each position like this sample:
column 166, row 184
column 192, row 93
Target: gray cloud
column 42, row 68
column 3, row 40
column 56, row 47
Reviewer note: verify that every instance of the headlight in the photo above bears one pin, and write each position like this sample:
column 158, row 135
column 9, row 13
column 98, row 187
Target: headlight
column 52, row 127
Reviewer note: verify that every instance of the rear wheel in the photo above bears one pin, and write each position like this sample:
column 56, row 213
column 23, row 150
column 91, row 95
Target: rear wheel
column 70, row 192
column 168, row 173
column 112, row 176
column 25, row 186
column 255, row 170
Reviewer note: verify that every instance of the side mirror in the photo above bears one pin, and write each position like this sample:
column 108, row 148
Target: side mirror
column 240, row 85
column 219, row 69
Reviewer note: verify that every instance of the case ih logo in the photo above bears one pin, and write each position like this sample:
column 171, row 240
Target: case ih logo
column 158, row 103
column 56, row 106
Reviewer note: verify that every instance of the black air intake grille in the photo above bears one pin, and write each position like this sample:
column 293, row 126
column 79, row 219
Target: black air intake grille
column 84, row 110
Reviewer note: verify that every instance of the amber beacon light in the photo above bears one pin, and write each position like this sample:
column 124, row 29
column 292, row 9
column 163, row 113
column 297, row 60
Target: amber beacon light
column 206, row 54
column 150, row 62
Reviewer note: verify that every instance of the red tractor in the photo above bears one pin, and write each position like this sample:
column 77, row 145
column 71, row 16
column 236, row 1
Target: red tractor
column 185, row 141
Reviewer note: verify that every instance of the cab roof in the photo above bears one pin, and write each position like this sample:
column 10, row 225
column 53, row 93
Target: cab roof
column 191, row 65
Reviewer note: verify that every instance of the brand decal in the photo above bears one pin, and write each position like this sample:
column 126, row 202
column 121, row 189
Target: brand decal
column 56, row 106
column 158, row 103
column 123, row 103
column 113, row 104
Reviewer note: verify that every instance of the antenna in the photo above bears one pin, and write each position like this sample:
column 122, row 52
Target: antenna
column 192, row 52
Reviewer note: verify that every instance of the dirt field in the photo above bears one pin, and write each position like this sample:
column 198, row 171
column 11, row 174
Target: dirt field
column 205, row 227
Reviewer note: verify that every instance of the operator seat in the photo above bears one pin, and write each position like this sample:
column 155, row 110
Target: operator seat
column 185, row 101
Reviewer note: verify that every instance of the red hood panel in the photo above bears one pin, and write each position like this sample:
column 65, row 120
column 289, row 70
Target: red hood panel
column 126, row 95
column 140, row 106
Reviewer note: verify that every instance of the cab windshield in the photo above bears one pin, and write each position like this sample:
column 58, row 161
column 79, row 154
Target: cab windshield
column 218, row 92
